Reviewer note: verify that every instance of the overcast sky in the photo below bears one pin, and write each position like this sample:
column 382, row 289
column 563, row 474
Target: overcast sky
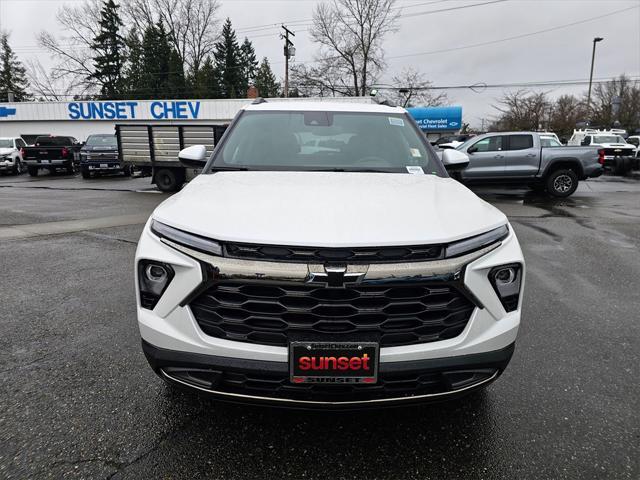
column 560, row 54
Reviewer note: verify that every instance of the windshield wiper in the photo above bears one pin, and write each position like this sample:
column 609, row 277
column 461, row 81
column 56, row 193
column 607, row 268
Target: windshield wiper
column 358, row 170
column 215, row 168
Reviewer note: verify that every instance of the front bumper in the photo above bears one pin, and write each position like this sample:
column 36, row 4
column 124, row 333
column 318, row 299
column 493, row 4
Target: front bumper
column 48, row 163
column 102, row 166
column 172, row 327
column 399, row 383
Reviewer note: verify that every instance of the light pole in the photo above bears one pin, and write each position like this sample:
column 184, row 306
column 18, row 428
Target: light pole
column 593, row 56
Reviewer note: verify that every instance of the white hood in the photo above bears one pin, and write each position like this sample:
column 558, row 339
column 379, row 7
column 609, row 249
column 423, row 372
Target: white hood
column 328, row 209
column 5, row 151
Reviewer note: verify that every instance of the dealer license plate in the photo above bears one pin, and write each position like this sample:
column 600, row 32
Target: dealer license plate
column 104, row 165
column 339, row 363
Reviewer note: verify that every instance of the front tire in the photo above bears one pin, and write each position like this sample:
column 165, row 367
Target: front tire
column 562, row 183
column 33, row 171
column 126, row 170
column 86, row 174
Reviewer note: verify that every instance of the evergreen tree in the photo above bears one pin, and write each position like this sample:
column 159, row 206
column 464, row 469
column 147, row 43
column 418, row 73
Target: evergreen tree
column 227, row 63
column 248, row 64
column 177, row 84
column 134, row 78
column 156, row 53
column 109, row 48
column 13, row 76
column 265, row 80
column 206, row 83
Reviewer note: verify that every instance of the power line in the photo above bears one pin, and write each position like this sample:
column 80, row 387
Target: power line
column 515, row 37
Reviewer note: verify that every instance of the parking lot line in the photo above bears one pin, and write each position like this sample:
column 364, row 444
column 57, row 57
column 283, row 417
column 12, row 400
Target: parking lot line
column 69, row 226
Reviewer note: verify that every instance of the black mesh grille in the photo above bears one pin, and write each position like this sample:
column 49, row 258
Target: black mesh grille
column 320, row 255
column 618, row 152
column 277, row 385
column 274, row 314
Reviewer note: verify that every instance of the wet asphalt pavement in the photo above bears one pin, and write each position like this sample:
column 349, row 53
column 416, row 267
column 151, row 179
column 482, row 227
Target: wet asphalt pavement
column 78, row 400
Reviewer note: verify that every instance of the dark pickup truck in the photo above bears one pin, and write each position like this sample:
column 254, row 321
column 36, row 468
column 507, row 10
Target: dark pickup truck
column 51, row 153
column 100, row 155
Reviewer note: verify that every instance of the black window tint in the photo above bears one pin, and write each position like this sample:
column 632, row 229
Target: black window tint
column 520, row 142
column 52, row 141
column 587, row 140
column 20, row 143
column 490, row 144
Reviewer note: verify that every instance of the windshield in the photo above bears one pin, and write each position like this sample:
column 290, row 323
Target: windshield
column 6, row 143
column 102, row 140
column 549, row 142
column 343, row 141
column 608, row 139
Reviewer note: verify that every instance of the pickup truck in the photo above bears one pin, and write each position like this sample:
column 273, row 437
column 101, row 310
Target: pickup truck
column 51, row 153
column 100, row 155
column 525, row 158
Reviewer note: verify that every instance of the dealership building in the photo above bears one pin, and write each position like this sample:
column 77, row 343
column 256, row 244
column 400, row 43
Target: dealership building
column 80, row 119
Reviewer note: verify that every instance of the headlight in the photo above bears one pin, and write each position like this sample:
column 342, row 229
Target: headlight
column 153, row 279
column 468, row 245
column 506, row 280
column 187, row 239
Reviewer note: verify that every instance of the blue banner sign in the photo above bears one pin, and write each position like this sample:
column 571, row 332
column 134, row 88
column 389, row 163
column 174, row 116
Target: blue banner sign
column 128, row 110
column 435, row 119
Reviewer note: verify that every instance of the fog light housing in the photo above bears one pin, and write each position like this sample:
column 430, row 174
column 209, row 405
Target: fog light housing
column 506, row 281
column 153, row 279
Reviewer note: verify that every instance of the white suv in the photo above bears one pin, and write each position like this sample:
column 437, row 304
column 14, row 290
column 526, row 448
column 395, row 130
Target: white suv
column 11, row 155
column 356, row 275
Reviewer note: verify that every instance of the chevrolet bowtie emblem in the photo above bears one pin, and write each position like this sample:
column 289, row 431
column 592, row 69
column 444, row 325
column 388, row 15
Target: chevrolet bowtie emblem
column 336, row 276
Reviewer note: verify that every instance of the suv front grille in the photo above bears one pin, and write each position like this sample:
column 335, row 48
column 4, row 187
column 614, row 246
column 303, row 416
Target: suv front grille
column 320, row 255
column 275, row 314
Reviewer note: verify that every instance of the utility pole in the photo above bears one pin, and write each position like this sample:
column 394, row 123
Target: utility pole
column 593, row 56
column 289, row 51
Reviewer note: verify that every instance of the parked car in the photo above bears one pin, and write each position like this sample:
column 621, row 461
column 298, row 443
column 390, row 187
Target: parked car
column 153, row 150
column 618, row 154
column 359, row 277
column 52, row 153
column 100, row 155
column 11, row 155
column 523, row 158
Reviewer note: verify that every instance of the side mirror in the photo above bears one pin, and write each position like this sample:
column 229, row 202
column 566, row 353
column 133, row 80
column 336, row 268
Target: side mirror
column 194, row 156
column 454, row 160
column 472, row 149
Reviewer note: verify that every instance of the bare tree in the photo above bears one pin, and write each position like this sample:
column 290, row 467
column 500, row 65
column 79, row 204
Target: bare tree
column 48, row 85
column 192, row 25
column 350, row 34
column 522, row 110
column 415, row 89
column 567, row 111
column 73, row 48
column 623, row 90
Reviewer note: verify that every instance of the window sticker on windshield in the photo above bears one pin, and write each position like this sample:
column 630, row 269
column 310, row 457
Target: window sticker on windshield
column 415, row 170
column 415, row 152
column 398, row 122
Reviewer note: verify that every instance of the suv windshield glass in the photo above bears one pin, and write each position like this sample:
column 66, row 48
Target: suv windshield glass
column 6, row 143
column 102, row 141
column 349, row 141
column 608, row 139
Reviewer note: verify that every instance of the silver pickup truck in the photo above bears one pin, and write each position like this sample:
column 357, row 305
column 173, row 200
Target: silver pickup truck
column 529, row 158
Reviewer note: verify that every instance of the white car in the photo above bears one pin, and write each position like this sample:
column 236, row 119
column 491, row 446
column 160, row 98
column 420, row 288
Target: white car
column 11, row 156
column 362, row 275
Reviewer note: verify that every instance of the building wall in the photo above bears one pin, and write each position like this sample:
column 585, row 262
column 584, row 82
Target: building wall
column 81, row 119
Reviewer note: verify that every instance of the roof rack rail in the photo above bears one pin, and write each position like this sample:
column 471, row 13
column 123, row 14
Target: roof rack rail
column 258, row 101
